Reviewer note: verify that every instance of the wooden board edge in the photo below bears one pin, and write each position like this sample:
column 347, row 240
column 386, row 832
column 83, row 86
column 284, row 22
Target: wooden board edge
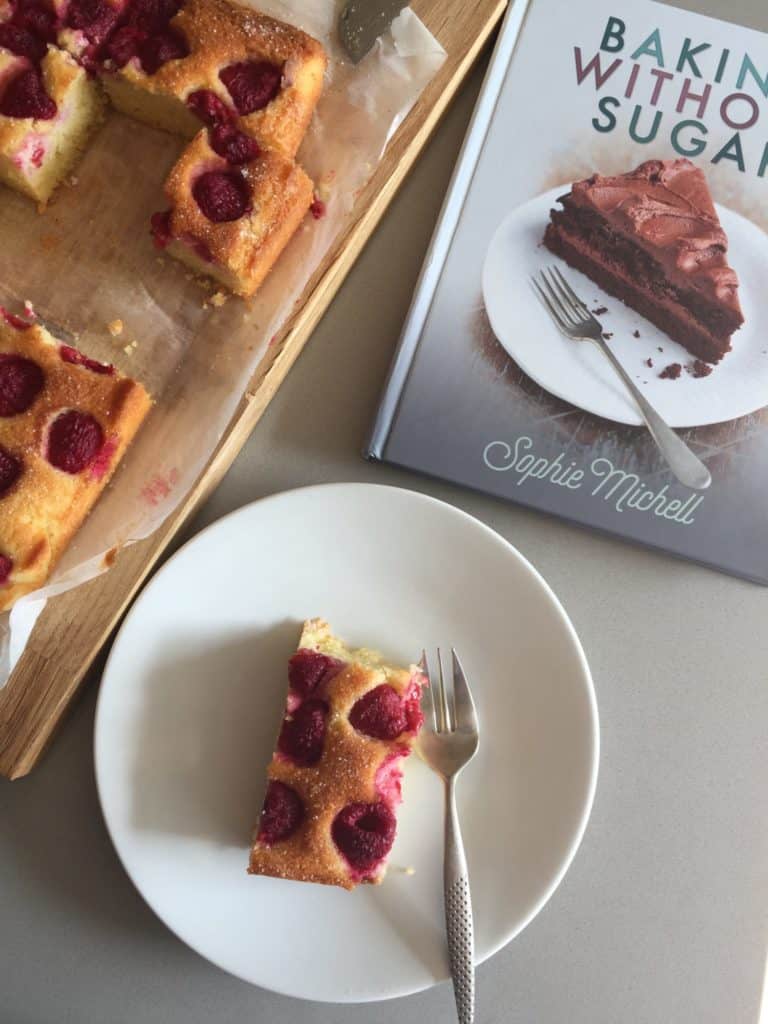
column 135, row 563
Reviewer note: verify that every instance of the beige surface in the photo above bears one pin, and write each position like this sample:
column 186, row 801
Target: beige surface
column 663, row 917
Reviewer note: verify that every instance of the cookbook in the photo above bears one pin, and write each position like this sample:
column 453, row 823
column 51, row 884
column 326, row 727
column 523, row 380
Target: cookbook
column 625, row 149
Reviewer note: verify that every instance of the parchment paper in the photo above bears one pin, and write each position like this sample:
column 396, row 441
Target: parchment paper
column 88, row 261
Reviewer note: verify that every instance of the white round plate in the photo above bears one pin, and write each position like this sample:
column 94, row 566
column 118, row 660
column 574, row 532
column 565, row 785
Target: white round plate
column 579, row 373
column 192, row 697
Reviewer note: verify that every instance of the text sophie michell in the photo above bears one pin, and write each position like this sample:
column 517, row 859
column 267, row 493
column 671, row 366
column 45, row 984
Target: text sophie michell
column 624, row 490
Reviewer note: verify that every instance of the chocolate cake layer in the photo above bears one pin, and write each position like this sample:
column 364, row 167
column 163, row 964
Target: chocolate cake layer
column 668, row 315
column 652, row 238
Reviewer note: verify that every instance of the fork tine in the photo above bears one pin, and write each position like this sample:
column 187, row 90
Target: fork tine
column 450, row 696
column 569, row 291
column 553, row 312
column 427, row 693
column 563, row 294
column 565, row 310
column 445, row 718
column 465, row 713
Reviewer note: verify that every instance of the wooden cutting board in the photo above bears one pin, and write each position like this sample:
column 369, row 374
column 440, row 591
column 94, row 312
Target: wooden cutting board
column 74, row 626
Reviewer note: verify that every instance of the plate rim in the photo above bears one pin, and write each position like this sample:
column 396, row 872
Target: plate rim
column 588, row 686
column 639, row 423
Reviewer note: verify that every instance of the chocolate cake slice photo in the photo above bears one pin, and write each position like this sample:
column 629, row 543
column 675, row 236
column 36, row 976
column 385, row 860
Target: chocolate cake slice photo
column 652, row 238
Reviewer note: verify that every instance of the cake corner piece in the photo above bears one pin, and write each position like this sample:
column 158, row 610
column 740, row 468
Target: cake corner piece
column 334, row 781
column 66, row 421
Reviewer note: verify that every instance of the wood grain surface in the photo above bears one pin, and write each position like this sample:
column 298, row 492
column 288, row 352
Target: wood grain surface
column 75, row 626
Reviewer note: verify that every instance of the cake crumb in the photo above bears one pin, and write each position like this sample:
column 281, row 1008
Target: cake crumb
column 72, row 180
column 635, row 333
column 649, row 361
column 671, row 372
column 699, row 368
column 600, row 310
column 317, row 207
column 218, row 299
column 29, row 310
column 659, row 348
column 607, row 335
column 109, row 559
column 115, row 327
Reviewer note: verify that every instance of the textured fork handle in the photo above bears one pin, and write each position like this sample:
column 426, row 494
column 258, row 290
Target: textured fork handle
column 458, row 912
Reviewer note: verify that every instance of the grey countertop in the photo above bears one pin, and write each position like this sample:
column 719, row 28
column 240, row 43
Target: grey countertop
column 663, row 916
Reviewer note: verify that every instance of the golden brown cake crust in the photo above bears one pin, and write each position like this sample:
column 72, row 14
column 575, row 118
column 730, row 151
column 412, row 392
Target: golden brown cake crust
column 281, row 194
column 44, row 508
column 345, row 774
column 220, row 33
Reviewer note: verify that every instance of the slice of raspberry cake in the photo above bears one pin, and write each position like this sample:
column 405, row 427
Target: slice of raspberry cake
column 334, row 779
column 173, row 66
column 233, row 207
column 65, row 423
column 48, row 108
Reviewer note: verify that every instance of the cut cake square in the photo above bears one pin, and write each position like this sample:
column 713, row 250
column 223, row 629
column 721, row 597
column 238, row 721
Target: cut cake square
column 334, row 782
column 231, row 221
column 267, row 75
column 47, row 113
column 65, row 423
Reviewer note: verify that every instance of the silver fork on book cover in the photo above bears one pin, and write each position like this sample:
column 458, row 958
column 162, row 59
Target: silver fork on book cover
column 449, row 741
column 576, row 322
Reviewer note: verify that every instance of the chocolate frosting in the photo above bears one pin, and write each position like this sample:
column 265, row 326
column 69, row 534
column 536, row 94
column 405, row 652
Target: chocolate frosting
column 666, row 207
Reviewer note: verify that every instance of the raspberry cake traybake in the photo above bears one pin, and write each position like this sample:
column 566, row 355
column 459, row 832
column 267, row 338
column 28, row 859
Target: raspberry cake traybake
column 178, row 65
column 65, row 423
column 334, row 780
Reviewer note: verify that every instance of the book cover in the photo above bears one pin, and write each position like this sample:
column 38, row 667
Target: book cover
column 627, row 146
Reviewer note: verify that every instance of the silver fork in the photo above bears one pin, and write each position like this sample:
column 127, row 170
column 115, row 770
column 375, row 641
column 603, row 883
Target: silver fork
column 447, row 747
column 576, row 322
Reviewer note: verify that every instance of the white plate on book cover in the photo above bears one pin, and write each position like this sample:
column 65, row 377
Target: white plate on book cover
column 580, row 374
column 192, row 696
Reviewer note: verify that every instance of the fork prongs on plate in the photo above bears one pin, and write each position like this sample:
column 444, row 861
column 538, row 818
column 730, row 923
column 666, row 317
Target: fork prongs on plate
column 464, row 713
column 563, row 303
column 436, row 695
column 451, row 707
column 578, row 304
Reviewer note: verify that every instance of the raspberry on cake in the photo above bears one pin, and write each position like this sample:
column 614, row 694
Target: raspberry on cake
column 65, row 423
column 652, row 238
column 86, row 26
column 231, row 218
column 259, row 73
column 334, row 780
column 47, row 112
